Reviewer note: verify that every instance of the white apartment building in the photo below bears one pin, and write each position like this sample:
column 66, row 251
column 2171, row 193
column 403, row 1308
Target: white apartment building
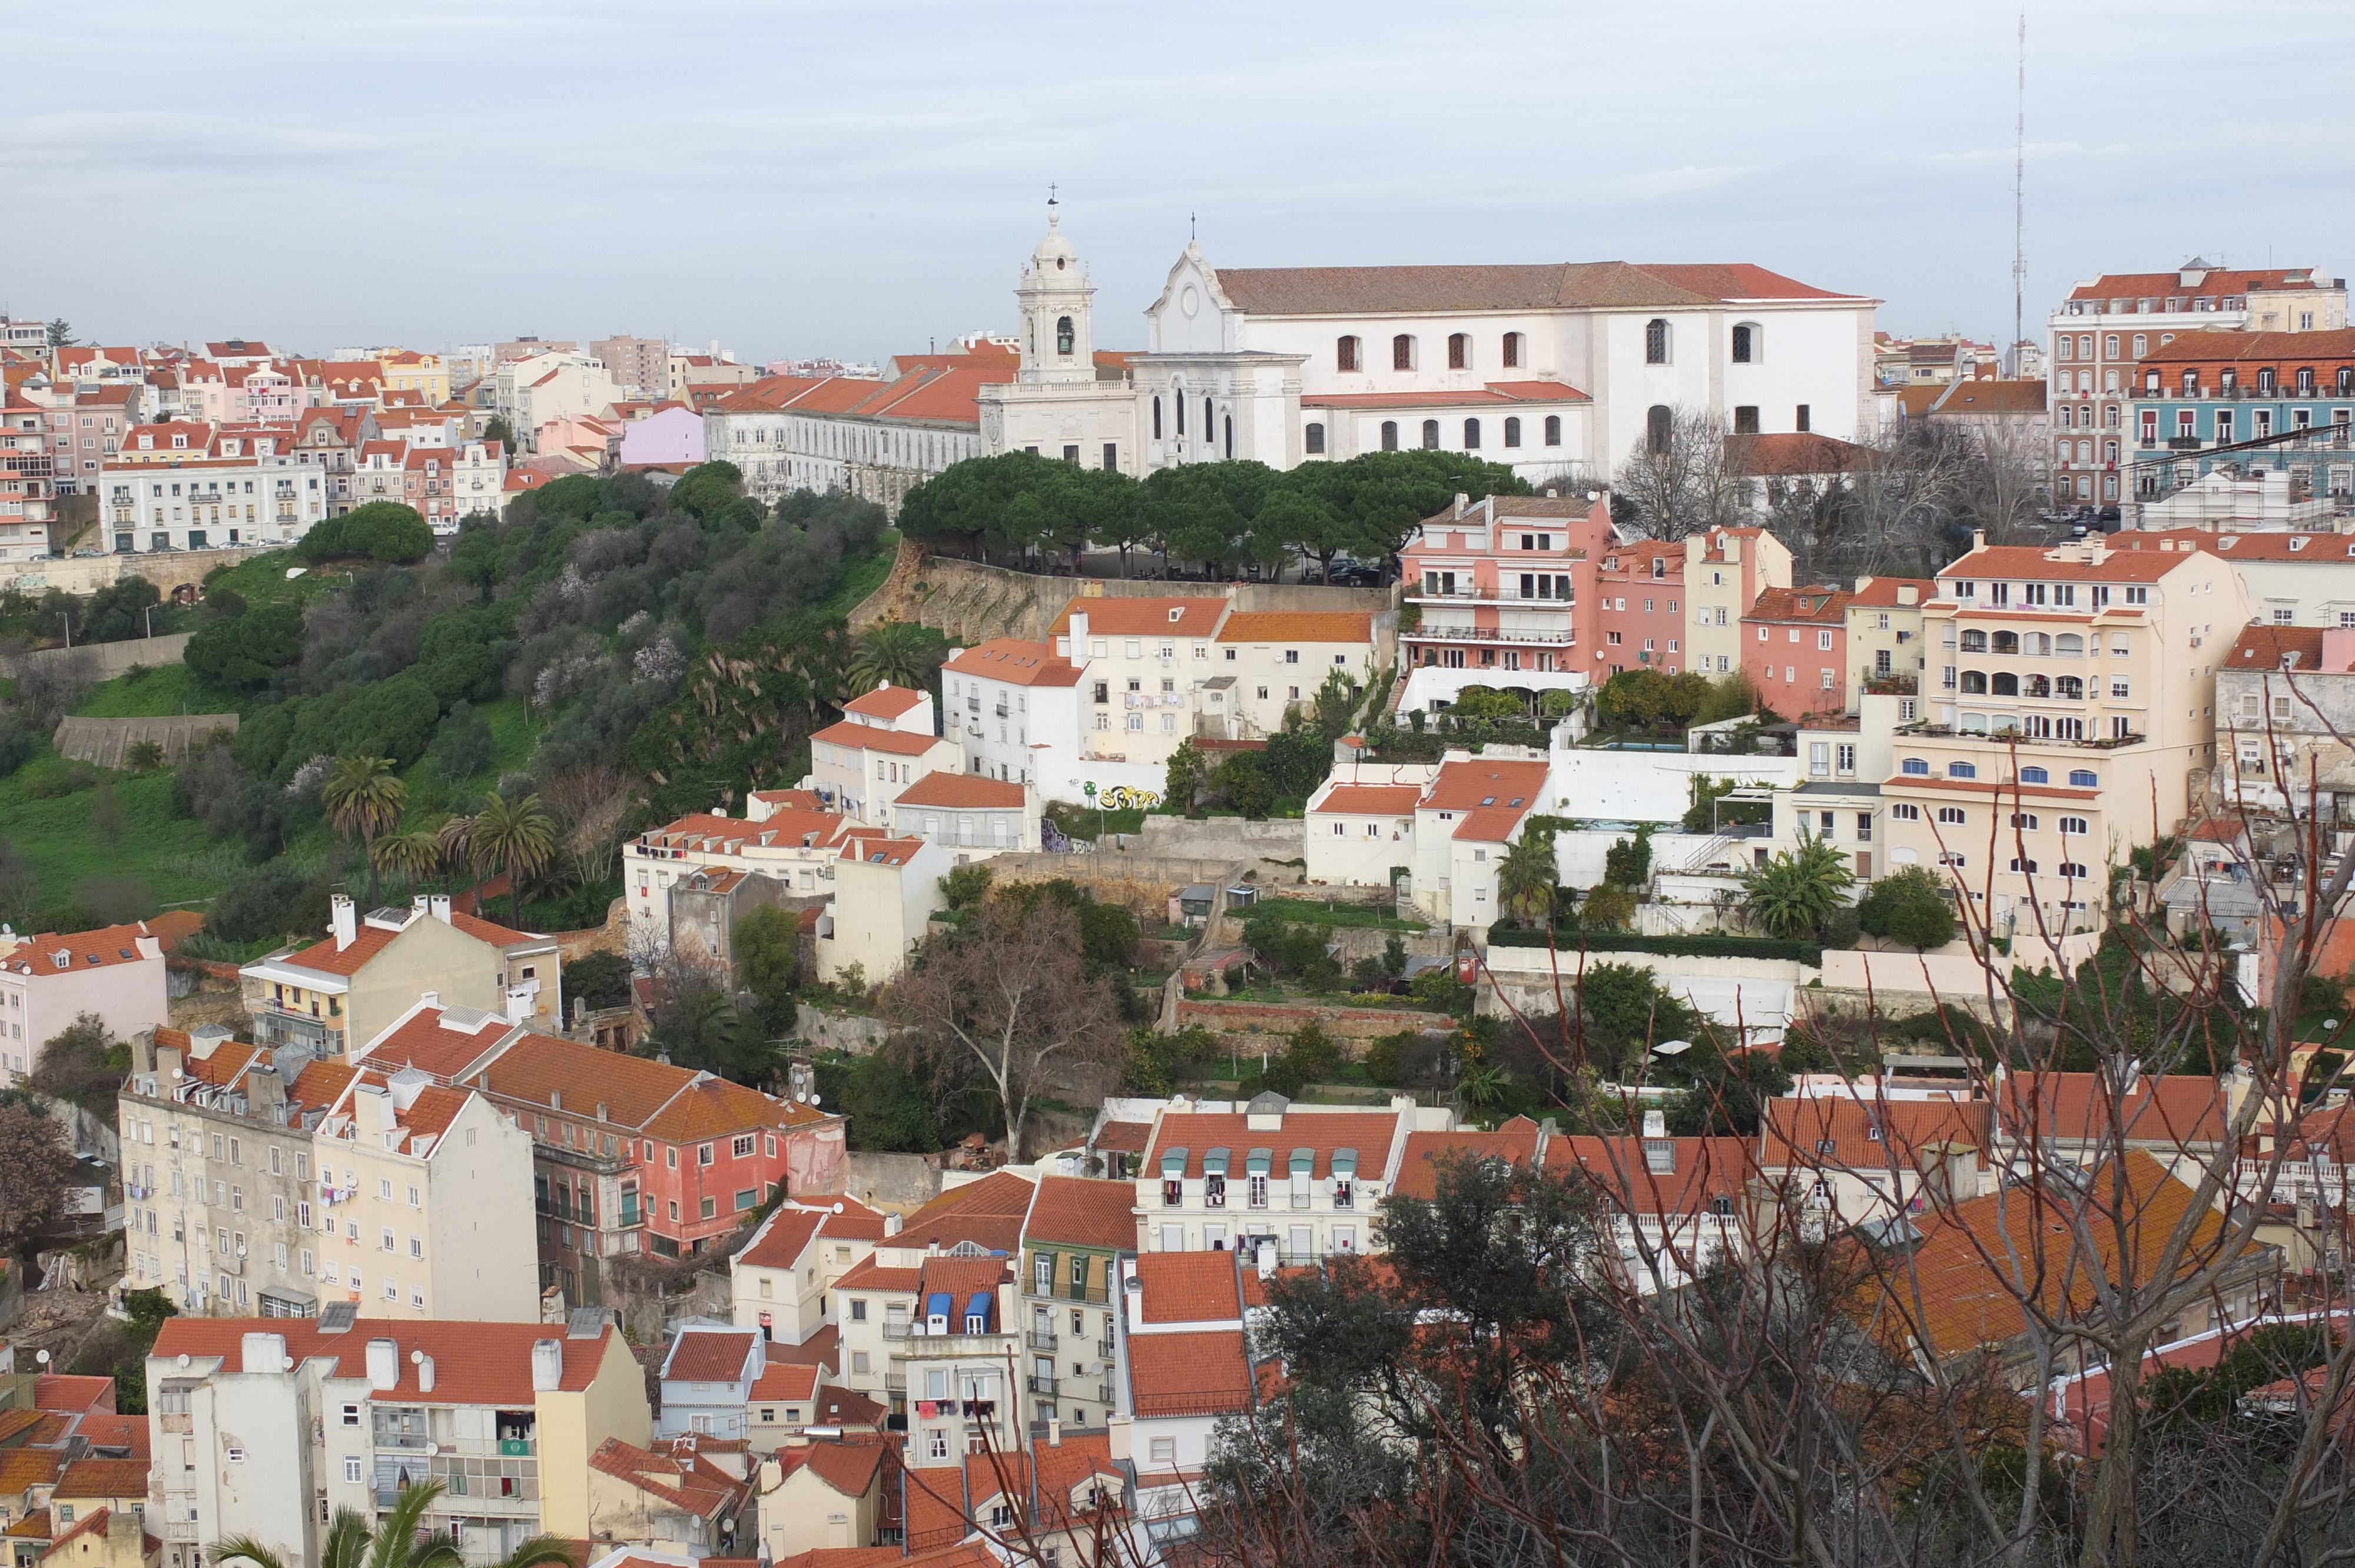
column 528, row 393
column 1271, row 663
column 973, row 817
column 1011, row 707
column 883, row 743
column 1143, row 667
column 1451, row 826
column 782, row 1281
column 207, row 504
column 267, row 1431
column 478, row 479
column 784, row 834
column 49, row 980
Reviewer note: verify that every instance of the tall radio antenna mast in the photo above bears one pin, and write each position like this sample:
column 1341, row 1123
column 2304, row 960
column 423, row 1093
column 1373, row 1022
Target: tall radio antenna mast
column 2019, row 200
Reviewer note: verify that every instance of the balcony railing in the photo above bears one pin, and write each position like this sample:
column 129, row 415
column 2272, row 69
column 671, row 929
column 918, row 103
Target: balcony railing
column 1485, row 634
column 1041, row 1339
column 895, row 1331
column 1495, row 594
column 2009, row 737
column 1045, row 1385
column 895, row 1382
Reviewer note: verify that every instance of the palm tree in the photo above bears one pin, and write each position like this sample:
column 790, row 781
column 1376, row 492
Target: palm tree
column 518, row 836
column 416, row 856
column 364, row 796
column 896, row 651
column 398, row 1543
column 1792, row 894
column 1526, row 877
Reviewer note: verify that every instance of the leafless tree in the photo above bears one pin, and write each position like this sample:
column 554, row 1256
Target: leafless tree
column 1678, row 479
column 589, row 804
column 1011, row 990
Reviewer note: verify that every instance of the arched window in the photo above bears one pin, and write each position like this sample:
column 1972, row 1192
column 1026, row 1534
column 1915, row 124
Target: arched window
column 1209, row 425
column 1974, row 683
column 1656, row 424
column 2083, row 778
column 1314, row 435
column 1471, row 435
column 2038, row 686
column 1512, row 351
column 1553, row 430
column 1157, row 416
column 1181, row 415
column 1065, row 339
column 2006, row 641
column 1459, row 351
column 2069, row 686
column 1402, row 351
column 2034, row 776
column 1746, row 343
column 1962, row 770
column 2006, row 683
column 1390, row 435
column 1231, row 435
column 1974, row 641
column 1430, row 435
column 1344, row 354
column 1656, row 342
column 1512, row 432
column 1914, row 764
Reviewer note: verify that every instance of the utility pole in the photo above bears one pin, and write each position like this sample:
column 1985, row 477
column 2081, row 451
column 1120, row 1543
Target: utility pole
column 2019, row 199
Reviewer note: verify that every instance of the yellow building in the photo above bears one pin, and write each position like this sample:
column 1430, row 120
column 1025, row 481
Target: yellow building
column 406, row 371
column 342, row 993
column 1884, row 636
column 1725, row 571
column 2070, row 716
column 97, row 1517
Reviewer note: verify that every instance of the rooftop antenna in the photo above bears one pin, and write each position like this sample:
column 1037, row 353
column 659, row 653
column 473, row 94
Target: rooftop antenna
column 2019, row 199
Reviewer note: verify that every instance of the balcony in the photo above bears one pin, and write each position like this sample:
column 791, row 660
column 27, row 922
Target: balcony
column 1498, row 595
column 1041, row 1339
column 1078, row 1291
column 2012, row 736
column 895, row 1382
column 895, row 1331
column 1045, row 1385
column 1485, row 634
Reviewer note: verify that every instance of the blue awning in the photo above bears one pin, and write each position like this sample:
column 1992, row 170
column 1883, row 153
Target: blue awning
column 939, row 1304
column 1173, row 1163
column 1214, row 1163
column 1259, row 1162
column 979, row 1306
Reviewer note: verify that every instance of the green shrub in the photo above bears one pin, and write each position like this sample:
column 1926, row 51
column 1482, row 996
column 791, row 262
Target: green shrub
column 1697, row 946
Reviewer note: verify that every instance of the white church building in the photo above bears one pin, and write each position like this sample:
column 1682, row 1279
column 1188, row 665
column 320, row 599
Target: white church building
column 1544, row 366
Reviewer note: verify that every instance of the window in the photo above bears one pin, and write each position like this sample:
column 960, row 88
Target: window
column 1553, row 430
column 741, row 1146
column 1905, row 813
column 1459, row 351
column 1314, row 442
column 1471, row 435
column 1802, row 420
column 1065, row 340
column 1657, row 422
column 1402, row 351
column 1512, row 353
column 1390, row 435
column 1156, row 418
column 1962, row 770
column 352, row 1468
column 2033, row 776
column 2084, row 778
column 703, row 1154
column 1914, row 764
column 1164, row 1451
column 2073, row 826
column 1344, row 354
column 1745, row 343
column 1950, row 815
column 1430, row 435
column 1656, row 342
column 1512, row 432
column 1745, row 419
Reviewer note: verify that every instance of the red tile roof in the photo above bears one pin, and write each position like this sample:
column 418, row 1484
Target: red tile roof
column 475, row 1363
column 1189, row 1374
column 2126, row 561
column 1807, row 605
column 105, row 1478
column 1796, row 452
column 1418, row 1177
column 1016, row 663
column 1700, row 1170
column 1142, row 616
column 886, row 701
column 866, row 737
column 2214, row 282
column 782, row 1238
column 326, row 957
column 1298, row 626
column 1370, row 1132
column 850, row 1467
column 1189, row 1287
column 966, row 791
column 708, row 1355
column 1797, row 1131
column 868, row 1275
column 783, row 1380
column 103, row 948
column 1469, row 786
column 1371, row 800
column 67, row 1390
column 1080, row 1212
column 2176, row 1109
column 987, row 1213
column 678, row 1476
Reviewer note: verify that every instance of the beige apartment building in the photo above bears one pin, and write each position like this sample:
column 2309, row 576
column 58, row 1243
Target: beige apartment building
column 1725, row 571
column 1884, row 637
column 2072, row 717
column 325, row 998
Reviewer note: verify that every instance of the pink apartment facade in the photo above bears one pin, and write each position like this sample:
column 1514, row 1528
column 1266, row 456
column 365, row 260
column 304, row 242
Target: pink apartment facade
column 1496, row 587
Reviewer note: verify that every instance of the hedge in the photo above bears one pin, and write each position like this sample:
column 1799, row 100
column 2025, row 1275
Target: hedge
column 1703, row 947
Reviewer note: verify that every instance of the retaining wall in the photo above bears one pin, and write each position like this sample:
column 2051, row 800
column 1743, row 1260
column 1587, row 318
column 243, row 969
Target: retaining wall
column 88, row 574
column 1223, row 839
column 973, row 603
column 1254, row 1021
column 896, row 1182
column 851, row 1032
column 104, row 742
column 104, row 661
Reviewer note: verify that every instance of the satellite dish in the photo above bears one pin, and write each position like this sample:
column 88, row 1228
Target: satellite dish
column 837, row 1207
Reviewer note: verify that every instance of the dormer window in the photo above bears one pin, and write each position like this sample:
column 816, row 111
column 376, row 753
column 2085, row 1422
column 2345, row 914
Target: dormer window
column 1176, row 616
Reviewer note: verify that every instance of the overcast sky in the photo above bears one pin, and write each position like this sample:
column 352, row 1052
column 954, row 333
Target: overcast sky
column 852, row 179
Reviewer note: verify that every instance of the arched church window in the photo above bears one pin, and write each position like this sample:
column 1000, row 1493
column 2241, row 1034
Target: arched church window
column 1512, row 432
column 1471, row 435
column 1553, row 430
column 1208, row 425
column 1390, row 435
column 1512, row 351
column 1430, row 435
column 1064, row 337
column 1231, row 435
column 1181, row 415
column 1344, row 354
column 1459, row 350
column 1315, row 442
column 1656, row 342
column 1657, row 423
column 1402, row 351
column 1157, row 416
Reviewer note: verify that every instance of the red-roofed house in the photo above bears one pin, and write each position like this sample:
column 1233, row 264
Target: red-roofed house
column 1677, row 1205
column 821, row 1494
column 1188, row 1366
column 1795, row 650
column 706, row 1381
column 1270, row 664
column 369, row 971
column 972, row 817
column 881, row 745
column 668, row 1496
column 1015, row 709
column 48, row 980
column 782, row 835
column 781, row 1282
column 360, row 1408
column 1145, row 665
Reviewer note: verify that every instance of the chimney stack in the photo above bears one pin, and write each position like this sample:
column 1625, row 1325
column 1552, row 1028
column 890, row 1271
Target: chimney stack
column 261, row 1353
column 424, row 1365
column 438, row 904
column 1655, row 1124
column 343, row 921
column 383, row 1365
column 546, row 1365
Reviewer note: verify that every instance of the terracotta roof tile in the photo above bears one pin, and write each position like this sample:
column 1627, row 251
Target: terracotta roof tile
column 1371, row 800
column 1298, row 626
column 1699, row 1170
column 474, row 1363
column 1016, row 663
column 1189, row 1287
column 104, row 1478
column 866, row 737
column 1516, row 1142
column 1084, row 1213
column 1189, row 1374
column 987, row 1213
column 1142, row 617
column 1370, row 1132
column 886, row 701
column 707, row 1355
column 966, row 790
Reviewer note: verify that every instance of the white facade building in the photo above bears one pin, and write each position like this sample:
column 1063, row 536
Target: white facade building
column 1066, row 401
column 207, row 504
column 883, row 743
column 1013, row 706
column 528, row 393
column 48, row 980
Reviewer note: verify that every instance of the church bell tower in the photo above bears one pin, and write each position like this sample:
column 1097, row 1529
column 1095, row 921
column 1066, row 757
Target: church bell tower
column 1056, row 298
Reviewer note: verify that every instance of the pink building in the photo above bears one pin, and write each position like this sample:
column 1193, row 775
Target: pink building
column 1795, row 650
column 668, row 436
column 1639, row 590
column 1495, row 586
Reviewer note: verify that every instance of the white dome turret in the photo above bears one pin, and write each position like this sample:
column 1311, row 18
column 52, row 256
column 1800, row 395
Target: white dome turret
column 1055, row 301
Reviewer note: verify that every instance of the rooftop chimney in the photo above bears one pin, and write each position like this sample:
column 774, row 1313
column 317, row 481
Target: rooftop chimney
column 546, row 1365
column 439, row 905
column 424, row 1365
column 263, row 1353
column 890, row 1225
column 1079, row 635
column 1655, row 1124
column 383, row 1365
column 342, row 921
column 1054, row 1432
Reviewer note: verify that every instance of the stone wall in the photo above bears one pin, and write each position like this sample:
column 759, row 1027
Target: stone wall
column 1140, row 883
column 1225, row 839
column 105, row 742
column 88, row 574
column 103, row 661
column 899, row 1183
column 850, row 1032
column 1249, row 1025
column 972, row 602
